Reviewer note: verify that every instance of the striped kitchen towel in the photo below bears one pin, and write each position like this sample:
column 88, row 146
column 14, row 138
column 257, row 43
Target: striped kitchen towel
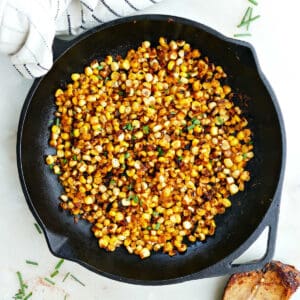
column 28, row 27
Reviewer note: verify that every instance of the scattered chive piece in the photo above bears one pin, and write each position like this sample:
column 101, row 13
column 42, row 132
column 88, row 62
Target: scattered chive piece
column 190, row 127
column 251, row 142
column 57, row 122
column 253, row 2
column 128, row 126
column 58, row 265
column 49, row 280
column 173, row 112
column 76, row 279
column 112, row 182
column 100, row 77
column 151, row 106
column 157, row 225
column 248, row 12
column 241, row 34
column 51, row 166
column 106, row 79
column 148, row 227
column 195, row 121
column 135, row 199
column 155, row 214
column 133, row 137
column 38, row 228
column 100, row 67
column 65, row 298
column 65, row 160
column 129, row 187
column 28, row 296
column 146, row 129
column 30, row 262
column 160, row 151
column 67, row 275
column 180, row 158
column 50, row 122
column 74, row 157
column 22, row 286
column 54, row 273
column 127, row 155
column 244, row 155
column 220, row 121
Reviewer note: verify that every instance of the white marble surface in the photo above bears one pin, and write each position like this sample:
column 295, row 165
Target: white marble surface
column 276, row 39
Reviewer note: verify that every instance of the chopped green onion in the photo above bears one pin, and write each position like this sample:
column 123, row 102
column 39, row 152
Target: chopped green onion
column 66, row 276
column 21, row 282
column 74, row 157
column 65, row 160
column 127, row 155
column 148, row 227
column 247, row 18
column 128, row 126
column 30, row 262
column 53, row 274
column 195, row 121
column 49, row 280
column 173, row 112
column 220, row 121
column 58, row 265
column 50, row 122
column 253, row 2
column 134, row 137
column 135, row 199
column 106, row 79
column 51, row 166
column 100, row 67
column 160, row 151
column 100, row 77
column 28, row 296
column 244, row 155
column 65, row 298
column 152, row 107
column 38, row 228
column 157, row 225
column 129, row 187
column 241, row 34
column 76, row 279
column 180, row 158
column 155, row 214
column 57, row 121
column 112, row 182
column 190, row 127
column 146, row 129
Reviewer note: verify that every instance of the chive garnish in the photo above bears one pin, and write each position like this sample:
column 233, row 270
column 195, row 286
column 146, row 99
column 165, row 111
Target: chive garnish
column 58, row 265
column 112, row 182
column 49, row 280
column 66, row 276
column 129, row 187
column 190, row 127
column 244, row 155
column 51, row 166
column 28, row 296
column 151, row 106
column 21, row 282
column 146, row 129
column 135, row 199
column 253, row 2
column 57, row 121
column 74, row 157
column 65, row 160
column 76, row 279
column 127, row 155
column 100, row 67
column 65, row 298
column 38, row 228
column 157, row 225
column 134, row 137
column 160, row 151
column 148, row 227
column 128, row 126
column 241, row 34
column 173, row 112
column 30, row 262
column 180, row 158
column 53, row 274
column 220, row 121
column 195, row 121
column 106, row 79
column 155, row 214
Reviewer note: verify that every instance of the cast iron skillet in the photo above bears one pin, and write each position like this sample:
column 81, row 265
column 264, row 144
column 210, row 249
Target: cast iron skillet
column 251, row 212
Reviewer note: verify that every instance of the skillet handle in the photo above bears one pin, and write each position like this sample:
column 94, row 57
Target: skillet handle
column 271, row 222
column 59, row 47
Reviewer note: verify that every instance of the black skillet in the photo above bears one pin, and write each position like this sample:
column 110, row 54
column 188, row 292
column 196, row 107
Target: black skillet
column 252, row 211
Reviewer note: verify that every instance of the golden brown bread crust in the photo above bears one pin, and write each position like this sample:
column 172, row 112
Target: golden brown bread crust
column 276, row 281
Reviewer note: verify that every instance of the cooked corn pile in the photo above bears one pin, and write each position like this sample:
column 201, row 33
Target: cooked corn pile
column 149, row 148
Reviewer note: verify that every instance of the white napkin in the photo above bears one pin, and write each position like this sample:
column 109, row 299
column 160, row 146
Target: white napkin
column 28, row 27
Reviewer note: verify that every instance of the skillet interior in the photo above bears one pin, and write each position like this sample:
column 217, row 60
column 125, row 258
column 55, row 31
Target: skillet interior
column 76, row 242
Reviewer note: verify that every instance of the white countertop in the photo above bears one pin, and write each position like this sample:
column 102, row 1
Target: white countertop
column 274, row 37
